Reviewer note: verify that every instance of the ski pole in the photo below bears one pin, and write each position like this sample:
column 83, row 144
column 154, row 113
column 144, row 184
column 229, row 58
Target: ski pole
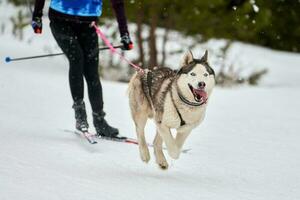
column 9, row 59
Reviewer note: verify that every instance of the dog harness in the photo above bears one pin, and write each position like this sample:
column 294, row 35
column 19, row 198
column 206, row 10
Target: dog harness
column 150, row 95
column 182, row 122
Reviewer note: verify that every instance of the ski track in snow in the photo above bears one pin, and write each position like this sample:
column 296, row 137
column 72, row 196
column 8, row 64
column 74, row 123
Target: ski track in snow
column 247, row 147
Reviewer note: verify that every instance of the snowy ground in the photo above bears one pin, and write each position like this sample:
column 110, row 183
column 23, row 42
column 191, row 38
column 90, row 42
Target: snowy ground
column 247, row 148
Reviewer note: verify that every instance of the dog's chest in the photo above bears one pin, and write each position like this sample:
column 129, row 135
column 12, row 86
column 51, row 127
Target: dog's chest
column 173, row 117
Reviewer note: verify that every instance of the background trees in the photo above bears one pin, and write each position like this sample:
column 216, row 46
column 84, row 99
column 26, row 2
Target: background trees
column 271, row 23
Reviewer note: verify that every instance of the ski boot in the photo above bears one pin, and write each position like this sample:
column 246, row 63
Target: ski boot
column 103, row 129
column 80, row 116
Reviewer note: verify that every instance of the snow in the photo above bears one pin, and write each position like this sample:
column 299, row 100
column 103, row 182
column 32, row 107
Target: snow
column 254, row 6
column 247, row 147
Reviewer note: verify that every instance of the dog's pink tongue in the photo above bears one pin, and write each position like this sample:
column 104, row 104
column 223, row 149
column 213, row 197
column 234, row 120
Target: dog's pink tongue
column 201, row 93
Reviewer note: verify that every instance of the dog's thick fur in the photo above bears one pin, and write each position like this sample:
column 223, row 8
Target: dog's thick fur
column 158, row 94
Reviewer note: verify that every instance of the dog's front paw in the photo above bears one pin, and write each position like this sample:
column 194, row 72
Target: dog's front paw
column 163, row 164
column 161, row 160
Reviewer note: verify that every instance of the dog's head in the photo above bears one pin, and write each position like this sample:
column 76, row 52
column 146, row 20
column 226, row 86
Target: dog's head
column 196, row 79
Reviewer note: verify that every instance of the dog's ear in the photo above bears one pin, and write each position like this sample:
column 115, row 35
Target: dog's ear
column 187, row 58
column 205, row 57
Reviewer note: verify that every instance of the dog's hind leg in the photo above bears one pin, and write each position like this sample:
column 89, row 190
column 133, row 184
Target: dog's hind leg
column 158, row 152
column 139, row 111
column 140, row 120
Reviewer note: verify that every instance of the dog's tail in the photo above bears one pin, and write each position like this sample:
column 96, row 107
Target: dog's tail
column 135, row 82
column 135, row 90
column 131, row 84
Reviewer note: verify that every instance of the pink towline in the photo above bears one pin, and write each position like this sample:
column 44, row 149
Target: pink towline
column 113, row 50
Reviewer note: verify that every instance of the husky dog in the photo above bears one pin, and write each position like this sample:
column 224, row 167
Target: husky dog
column 175, row 99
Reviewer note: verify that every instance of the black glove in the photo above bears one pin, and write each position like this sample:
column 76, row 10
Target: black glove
column 126, row 41
column 37, row 25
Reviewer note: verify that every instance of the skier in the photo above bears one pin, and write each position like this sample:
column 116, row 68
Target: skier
column 70, row 23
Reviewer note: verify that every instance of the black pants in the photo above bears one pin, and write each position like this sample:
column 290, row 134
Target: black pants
column 79, row 42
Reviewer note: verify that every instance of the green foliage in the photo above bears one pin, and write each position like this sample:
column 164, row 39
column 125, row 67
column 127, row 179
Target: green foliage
column 271, row 23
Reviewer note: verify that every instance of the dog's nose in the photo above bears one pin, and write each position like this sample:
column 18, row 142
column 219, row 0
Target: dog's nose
column 201, row 84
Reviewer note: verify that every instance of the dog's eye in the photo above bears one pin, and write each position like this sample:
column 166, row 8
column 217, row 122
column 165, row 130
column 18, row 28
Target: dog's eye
column 205, row 74
column 192, row 74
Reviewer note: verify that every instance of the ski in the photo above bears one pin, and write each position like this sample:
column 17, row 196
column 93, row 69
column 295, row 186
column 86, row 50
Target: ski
column 88, row 136
column 119, row 139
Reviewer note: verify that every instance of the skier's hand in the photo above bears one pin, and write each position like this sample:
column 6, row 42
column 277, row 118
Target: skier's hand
column 37, row 25
column 126, row 41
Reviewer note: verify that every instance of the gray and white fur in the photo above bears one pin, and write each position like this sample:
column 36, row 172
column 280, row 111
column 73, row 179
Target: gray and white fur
column 175, row 99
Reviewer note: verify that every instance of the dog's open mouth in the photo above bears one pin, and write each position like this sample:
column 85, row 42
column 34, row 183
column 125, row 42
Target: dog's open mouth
column 199, row 94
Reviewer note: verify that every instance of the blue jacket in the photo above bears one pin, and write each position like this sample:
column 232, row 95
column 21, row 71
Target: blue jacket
column 85, row 8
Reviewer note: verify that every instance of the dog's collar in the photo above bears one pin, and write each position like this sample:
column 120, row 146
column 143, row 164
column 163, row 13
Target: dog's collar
column 184, row 100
